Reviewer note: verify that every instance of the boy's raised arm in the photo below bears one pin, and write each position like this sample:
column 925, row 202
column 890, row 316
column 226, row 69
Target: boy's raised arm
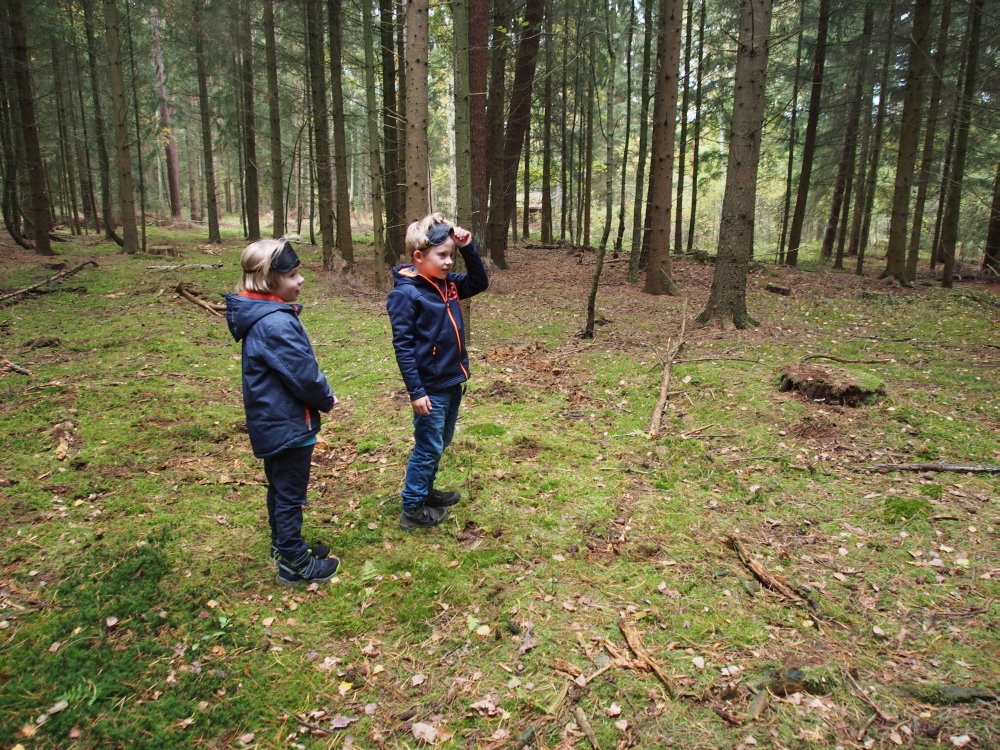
column 476, row 279
column 403, row 320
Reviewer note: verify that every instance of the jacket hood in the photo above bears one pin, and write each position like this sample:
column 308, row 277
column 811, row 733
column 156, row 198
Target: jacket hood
column 405, row 274
column 243, row 313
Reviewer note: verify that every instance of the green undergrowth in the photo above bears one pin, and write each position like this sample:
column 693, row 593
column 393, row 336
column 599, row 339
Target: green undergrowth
column 135, row 589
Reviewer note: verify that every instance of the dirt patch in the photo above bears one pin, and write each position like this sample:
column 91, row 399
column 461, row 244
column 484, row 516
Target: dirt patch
column 471, row 532
column 830, row 385
column 815, row 429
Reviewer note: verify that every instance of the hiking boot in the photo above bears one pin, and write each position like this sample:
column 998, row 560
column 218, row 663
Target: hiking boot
column 306, row 569
column 317, row 550
column 422, row 518
column 441, row 499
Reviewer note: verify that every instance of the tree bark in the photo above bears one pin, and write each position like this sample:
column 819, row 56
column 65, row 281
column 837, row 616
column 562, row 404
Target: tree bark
column 211, row 205
column 809, row 146
column 138, row 140
column 500, row 40
column 374, row 160
column 588, row 157
column 166, row 131
column 119, row 115
column 628, row 127
column 417, row 167
column 679, row 218
column 342, row 197
column 546, row 217
column 991, row 254
column 64, row 145
column 846, row 165
column 933, row 109
column 727, row 299
column 39, row 206
column 274, row 116
column 478, row 125
column 696, row 146
column 949, row 227
column 661, row 170
column 321, row 160
column 791, row 136
column 909, row 133
column 252, row 201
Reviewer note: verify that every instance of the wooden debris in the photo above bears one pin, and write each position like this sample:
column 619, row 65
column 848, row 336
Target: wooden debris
column 661, row 402
column 214, row 309
column 848, row 361
column 758, row 704
column 14, row 367
column 167, row 250
column 726, row 716
column 581, row 721
column 634, row 641
column 184, row 265
column 960, row 468
column 859, row 693
column 564, row 666
column 784, row 291
column 774, row 582
column 14, row 296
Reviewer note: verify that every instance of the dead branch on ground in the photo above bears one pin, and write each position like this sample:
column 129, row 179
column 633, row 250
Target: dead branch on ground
column 214, row 309
column 661, row 402
column 634, row 641
column 848, row 361
column 14, row 296
column 14, row 367
column 960, row 468
column 774, row 582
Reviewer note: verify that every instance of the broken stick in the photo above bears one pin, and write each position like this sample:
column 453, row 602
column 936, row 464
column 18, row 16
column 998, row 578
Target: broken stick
column 14, row 367
column 58, row 277
column 200, row 302
column 774, row 582
column 634, row 641
column 960, row 468
column 581, row 721
column 661, row 402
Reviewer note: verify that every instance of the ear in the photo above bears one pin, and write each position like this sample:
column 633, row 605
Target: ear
column 417, row 256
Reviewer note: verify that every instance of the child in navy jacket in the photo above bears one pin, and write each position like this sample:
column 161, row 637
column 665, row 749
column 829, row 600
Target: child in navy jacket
column 429, row 339
column 283, row 393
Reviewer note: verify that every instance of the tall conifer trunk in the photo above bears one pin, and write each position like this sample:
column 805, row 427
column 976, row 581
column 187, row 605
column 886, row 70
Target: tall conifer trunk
column 64, row 146
column 478, row 124
column 321, row 160
column 418, row 199
column 696, row 146
column 546, row 217
column 640, row 169
column 166, row 131
column 374, row 161
column 628, row 127
column 679, row 218
column 274, row 117
column 211, row 204
column 250, row 171
column 119, row 117
column 786, row 211
column 343, row 198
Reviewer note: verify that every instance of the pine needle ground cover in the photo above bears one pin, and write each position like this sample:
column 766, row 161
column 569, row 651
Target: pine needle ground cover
column 137, row 608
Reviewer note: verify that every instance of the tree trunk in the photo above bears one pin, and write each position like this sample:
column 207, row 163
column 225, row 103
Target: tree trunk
column 86, row 170
column 526, row 213
column 909, row 133
column 786, row 212
column 390, row 136
column 588, row 157
column 166, row 131
column 211, row 205
column 936, row 254
column 933, row 109
column 809, row 146
column 991, row 255
column 696, row 146
column 138, row 140
column 478, row 125
column 846, row 165
column 546, row 216
column 64, row 145
column 859, row 176
column 949, row 226
column 661, row 170
column 727, row 300
column 250, row 170
column 39, row 206
column 417, row 166
column 274, row 115
column 502, row 196
column 609, row 125
column 494, row 117
column 192, row 177
column 343, row 197
column 628, row 127
column 374, row 159
column 876, row 145
column 679, row 218
column 564, row 139
column 103, row 162
column 317, row 84
column 119, row 113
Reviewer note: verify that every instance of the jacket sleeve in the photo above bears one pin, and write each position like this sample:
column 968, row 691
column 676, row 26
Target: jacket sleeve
column 287, row 351
column 402, row 316
column 476, row 280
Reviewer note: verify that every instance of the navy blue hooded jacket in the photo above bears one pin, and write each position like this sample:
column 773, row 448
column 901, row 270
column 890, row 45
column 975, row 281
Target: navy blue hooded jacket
column 427, row 330
column 283, row 389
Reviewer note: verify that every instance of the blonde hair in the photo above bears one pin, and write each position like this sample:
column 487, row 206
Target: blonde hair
column 256, row 262
column 416, row 233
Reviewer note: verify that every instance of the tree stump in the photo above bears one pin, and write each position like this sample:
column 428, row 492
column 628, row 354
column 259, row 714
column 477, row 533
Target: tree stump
column 168, row 251
column 784, row 291
column 831, row 385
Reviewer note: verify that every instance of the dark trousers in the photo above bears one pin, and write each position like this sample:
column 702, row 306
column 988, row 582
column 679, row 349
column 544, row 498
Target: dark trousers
column 287, row 481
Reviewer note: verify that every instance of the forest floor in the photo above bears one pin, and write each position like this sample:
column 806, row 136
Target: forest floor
column 137, row 608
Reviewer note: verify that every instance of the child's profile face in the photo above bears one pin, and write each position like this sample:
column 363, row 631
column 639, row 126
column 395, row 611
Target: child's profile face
column 289, row 285
column 436, row 261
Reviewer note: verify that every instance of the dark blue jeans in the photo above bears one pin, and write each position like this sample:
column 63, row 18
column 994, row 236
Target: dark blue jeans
column 431, row 435
column 287, row 481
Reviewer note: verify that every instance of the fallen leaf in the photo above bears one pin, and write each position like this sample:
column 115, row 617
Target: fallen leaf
column 699, row 662
column 54, row 647
column 424, row 733
column 185, row 723
column 613, row 710
column 342, row 722
column 418, row 679
column 750, row 740
column 268, row 622
column 370, row 708
column 878, row 631
column 211, row 604
column 28, row 730
column 372, row 526
column 111, row 622
column 57, row 707
column 896, row 737
column 569, row 606
column 558, row 558
column 500, row 734
column 483, row 630
column 487, row 706
column 247, row 738
column 621, row 725
column 961, row 740
column 345, row 688
column 202, row 705
column 74, row 734
column 528, row 643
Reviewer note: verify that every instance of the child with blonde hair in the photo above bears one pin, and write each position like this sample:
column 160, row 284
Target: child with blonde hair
column 283, row 393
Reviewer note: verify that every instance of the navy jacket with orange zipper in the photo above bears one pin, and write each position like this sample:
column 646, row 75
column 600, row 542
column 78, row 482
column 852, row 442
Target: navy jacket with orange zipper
column 427, row 330
column 283, row 388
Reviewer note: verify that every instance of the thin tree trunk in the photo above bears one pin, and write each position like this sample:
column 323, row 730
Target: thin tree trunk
column 374, row 160
column 640, row 170
column 933, row 109
column 588, row 158
column 846, row 166
column 39, row 205
column 696, row 146
column 86, row 170
column 936, row 253
column 317, row 84
column 679, row 218
column 343, row 198
column 119, row 114
column 250, row 170
column 564, row 139
column 628, row 127
column 876, row 145
column 478, row 124
column 494, row 118
column 858, row 211
column 192, row 177
column 546, row 216
column 658, row 279
column 417, row 166
column 138, row 139
column 64, row 146
column 526, row 213
column 609, row 125
column 274, row 116
column 991, row 254
column 211, row 205
column 809, row 146
column 786, row 211
column 166, row 131
column 727, row 299
column 949, row 227
column 909, row 133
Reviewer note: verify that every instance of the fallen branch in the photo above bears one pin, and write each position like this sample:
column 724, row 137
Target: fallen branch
column 314, row 727
column 581, row 721
column 58, row 277
column 858, row 692
column 774, row 582
column 200, row 302
column 696, row 430
column 634, row 641
column 848, row 361
column 726, row 716
column 14, row 367
column 661, row 402
column 184, row 265
column 960, row 468
column 716, row 359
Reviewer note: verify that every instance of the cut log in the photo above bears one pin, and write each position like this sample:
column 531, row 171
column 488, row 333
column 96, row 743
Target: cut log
column 830, row 385
column 784, row 291
column 168, row 251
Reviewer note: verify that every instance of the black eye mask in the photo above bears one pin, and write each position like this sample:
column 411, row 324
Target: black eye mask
column 437, row 234
column 286, row 260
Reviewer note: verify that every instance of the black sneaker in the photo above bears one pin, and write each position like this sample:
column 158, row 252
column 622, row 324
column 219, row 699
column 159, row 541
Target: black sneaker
column 423, row 518
column 317, row 550
column 441, row 499
column 307, row 569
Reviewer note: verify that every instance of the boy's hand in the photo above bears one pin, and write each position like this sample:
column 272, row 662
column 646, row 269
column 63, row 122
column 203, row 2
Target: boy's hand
column 462, row 236
column 421, row 406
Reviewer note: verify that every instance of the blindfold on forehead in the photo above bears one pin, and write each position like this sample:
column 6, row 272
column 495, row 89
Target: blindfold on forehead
column 286, row 260
column 437, row 234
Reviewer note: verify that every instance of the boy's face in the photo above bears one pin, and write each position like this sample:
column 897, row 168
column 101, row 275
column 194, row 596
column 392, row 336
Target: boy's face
column 289, row 285
column 435, row 261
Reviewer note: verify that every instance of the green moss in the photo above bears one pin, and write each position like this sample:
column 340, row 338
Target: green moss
column 905, row 509
column 485, row 430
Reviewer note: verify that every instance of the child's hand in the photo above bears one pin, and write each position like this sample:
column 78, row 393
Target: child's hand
column 462, row 236
column 421, row 406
